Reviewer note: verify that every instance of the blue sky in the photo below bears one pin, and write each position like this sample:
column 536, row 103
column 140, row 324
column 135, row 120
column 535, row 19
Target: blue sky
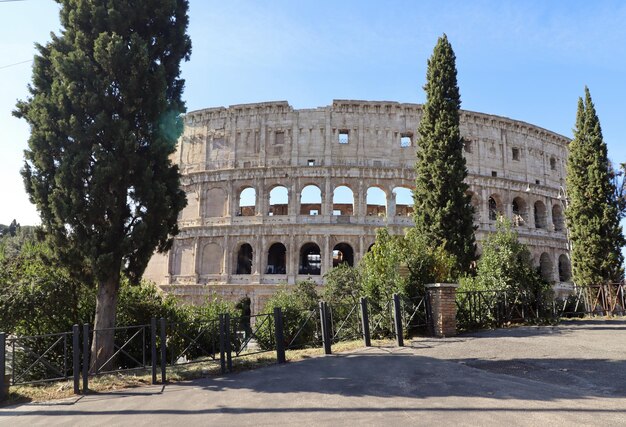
column 527, row 60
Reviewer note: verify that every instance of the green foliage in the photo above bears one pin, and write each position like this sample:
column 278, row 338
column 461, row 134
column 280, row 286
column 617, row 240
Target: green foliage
column 105, row 114
column 442, row 208
column 297, row 302
column 37, row 296
column 11, row 244
column 426, row 264
column 593, row 209
column 380, row 269
column 506, row 265
column 342, row 285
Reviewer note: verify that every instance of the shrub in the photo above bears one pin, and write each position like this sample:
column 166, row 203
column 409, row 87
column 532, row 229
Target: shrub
column 299, row 306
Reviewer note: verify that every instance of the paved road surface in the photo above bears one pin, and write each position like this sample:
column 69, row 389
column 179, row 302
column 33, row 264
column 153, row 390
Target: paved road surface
column 573, row 374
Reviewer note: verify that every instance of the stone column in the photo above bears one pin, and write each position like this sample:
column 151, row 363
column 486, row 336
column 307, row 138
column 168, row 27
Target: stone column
column 443, row 308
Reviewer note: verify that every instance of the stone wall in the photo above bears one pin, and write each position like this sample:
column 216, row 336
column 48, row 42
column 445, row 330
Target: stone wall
column 240, row 249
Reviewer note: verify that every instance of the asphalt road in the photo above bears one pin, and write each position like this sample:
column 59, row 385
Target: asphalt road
column 572, row 374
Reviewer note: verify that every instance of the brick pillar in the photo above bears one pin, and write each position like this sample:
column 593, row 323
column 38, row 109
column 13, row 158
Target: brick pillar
column 443, row 308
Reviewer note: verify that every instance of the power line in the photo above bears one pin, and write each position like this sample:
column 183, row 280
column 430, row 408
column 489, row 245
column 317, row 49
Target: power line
column 17, row 63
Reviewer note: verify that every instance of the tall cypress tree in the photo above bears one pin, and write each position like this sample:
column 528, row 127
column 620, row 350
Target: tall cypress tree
column 442, row 207
column 592, row 210
column 104, row 112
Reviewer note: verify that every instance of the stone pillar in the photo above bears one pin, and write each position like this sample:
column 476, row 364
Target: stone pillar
column 443, row 308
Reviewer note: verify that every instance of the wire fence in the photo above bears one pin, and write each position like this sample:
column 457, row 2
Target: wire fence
column 162, row 344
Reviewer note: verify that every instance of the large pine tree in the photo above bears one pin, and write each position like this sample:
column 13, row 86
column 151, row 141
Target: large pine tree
column 442, row 207
column 105, row 114
column 592, row 210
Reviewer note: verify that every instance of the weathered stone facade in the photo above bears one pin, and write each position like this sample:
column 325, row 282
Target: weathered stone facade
column 237, row 249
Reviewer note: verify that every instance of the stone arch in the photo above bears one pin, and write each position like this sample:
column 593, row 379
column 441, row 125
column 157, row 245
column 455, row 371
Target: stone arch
column 546, row 267
column 519, row 209
column 279, row 201
column 343, row 253
column 376, row 199
column 565, row 269
column 191, row 210
column 494, row 204
column 311, row 200
column 310, row 259
column 369, row 248
column 183, row 263
column 214, row 203
column 540, row 215
column 247, row 201
column 244, row 259
column 277, row 259
column 343, row 200
column 557, row 217
column 212, row 259
column 403, row 197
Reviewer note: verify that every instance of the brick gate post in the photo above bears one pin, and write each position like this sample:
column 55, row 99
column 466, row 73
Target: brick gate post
column 443, row 308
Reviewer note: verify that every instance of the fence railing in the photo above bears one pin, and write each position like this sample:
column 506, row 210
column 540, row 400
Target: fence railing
column 163, row 344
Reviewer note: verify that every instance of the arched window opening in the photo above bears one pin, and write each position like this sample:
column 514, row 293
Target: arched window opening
column 370, row 247
column 311, row 200
column 565, row 271
column 557, row 218
column 404, row 201
column 495, row 208
column 279, row 201
column 244, row 259
column 545, row 266
column 247, row 202
column 343, row 253
column 277, row 259
column 520, row 212
column 343, row 201
column 540, row 215
column 376, row 202
column 310, row 260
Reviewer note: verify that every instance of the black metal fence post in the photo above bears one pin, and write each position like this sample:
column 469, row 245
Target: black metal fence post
column 163, row 350
column 86, row 358
column 3, row 387
column 280, row 339
column 76, row 358
column 229, row 356
column 325, row 328
column 153, row 349
column 365, row 322
column 222, row 345
column 397, row 311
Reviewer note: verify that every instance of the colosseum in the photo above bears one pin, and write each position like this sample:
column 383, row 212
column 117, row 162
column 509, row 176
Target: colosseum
column 276, row 195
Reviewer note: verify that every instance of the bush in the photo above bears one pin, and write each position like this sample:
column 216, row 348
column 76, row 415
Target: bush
column 297, row 304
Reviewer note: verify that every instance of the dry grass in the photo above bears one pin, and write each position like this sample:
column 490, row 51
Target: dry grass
column 106, row 383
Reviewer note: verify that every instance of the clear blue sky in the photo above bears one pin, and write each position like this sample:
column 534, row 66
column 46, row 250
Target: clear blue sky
column 527, row 60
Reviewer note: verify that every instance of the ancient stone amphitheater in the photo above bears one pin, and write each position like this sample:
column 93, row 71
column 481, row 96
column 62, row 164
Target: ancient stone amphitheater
column 276, row 195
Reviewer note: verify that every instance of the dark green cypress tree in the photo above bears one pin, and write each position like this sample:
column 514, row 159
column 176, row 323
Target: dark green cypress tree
column 442, row 207
column 592, row 211
column 105, row 114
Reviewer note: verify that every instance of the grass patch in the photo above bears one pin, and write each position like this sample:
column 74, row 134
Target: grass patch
column 111, row 382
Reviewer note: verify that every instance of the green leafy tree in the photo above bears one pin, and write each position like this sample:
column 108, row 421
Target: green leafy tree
column 380, row 269
column 442, row 207
column 342, row 285
column 426, row 264
column 506, row 265
column 105, row 113
column 593, row 209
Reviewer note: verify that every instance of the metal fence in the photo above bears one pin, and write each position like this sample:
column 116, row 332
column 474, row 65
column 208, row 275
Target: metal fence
column 163, row 344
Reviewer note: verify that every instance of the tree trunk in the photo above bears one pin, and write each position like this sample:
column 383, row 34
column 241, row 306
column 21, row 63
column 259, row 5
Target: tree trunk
column 103, row 340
